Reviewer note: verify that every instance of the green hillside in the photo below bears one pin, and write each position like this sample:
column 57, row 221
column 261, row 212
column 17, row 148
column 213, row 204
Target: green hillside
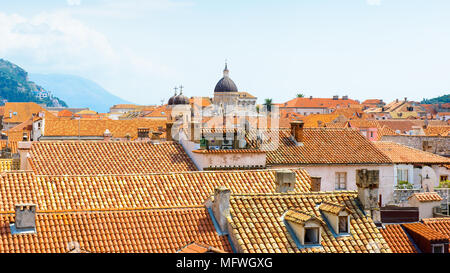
column 15, row 87
column 441, row 99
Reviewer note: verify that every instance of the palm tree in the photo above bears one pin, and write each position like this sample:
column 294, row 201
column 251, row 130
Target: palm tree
column 268, row 104
column 300, row 95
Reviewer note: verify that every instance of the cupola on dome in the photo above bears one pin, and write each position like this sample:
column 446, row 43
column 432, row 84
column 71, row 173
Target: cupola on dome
column 226, row 84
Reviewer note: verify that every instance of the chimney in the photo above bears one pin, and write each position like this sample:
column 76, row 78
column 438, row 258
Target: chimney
column 25, row 218
column 107, row 135
column 24, row 148
column 396, row 100
column 285, row 181
column 194, row 128
column 367, row 182
column 310, row 97
column 221, row 207
column 156, row 137
column 316, row 183
column 169, row 131
column 143, row 133
column 335, row 97
column 297, row 131
column 406, row 98
column 345, row 97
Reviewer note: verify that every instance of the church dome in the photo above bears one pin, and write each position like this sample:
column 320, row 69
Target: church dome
column 171, row 100
column 226, row 84
column 180, row 99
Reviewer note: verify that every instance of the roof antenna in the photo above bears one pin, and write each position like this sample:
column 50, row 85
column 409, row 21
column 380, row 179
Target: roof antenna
column 181, row 89
column 176, row 88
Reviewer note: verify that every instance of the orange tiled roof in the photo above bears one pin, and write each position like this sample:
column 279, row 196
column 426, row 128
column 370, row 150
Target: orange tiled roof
column 105, row 192
column 102, row 157
column 257, row 224
column 372, row 101
column 126, row 106
column 195, row 247
column 421, row 230
column 313, row 120
column 437, row 131
column 427, row 196
column 332, row 207
column 317, row 103
column 385, row 131
column 123, row 231
column 439, row 224
column 397, row 239
column 118, row 128
column 9, row 164
column 321, row 146
column 24, row 111
column 403, row 154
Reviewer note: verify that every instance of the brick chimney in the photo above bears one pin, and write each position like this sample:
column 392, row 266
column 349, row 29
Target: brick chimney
column 25, row 217
column 316, row 183
column 297, row 131
column 368, row 182
column 169, row 131
column 194, row 129
column 24, row 148
column 285, row 180
column 221, row 207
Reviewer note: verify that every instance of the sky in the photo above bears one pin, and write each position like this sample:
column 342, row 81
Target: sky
column 140, row 50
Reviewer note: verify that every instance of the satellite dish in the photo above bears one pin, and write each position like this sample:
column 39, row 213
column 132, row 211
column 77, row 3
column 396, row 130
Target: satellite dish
column 429, row 179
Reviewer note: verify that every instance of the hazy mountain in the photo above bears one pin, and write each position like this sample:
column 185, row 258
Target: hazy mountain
column 78, row 92
column 16, row 87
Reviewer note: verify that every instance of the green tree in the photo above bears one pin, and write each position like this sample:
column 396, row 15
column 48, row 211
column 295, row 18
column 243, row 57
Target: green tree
column 299, row 95
column 268, row 104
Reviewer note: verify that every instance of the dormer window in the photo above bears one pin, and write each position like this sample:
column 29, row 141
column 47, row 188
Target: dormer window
column 343, row 224
column 312, row 236
column 337, row 217
column 305, row 228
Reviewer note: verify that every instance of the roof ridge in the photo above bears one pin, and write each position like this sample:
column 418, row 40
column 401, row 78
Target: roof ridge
column 97, row 210
column 160, row 174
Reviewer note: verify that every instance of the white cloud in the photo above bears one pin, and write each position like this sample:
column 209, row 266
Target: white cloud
column 57, row 43
column 73, row 2
column 52, row 38
column 374, row 2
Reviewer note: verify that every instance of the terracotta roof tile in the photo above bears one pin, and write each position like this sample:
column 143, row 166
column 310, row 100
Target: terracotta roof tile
column 257, row 224
column 317, row 103
column 422, row 230
column 195, row 247
column 125, row 231
column 24, row 111
column 403, row 154
column 397, row 239
column 427, row 196
column 321, row 146
column 101, row 157
column 9, row 164
column 170, row 190
column 96, row 127
column 439, row 224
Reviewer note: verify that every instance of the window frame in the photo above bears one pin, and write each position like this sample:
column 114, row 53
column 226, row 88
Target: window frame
column 337, row 181
column 437, row 245
column 346, row 224
column 317, row 239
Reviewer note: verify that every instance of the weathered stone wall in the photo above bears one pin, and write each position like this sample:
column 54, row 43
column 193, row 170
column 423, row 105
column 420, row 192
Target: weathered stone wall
column 432, row 144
